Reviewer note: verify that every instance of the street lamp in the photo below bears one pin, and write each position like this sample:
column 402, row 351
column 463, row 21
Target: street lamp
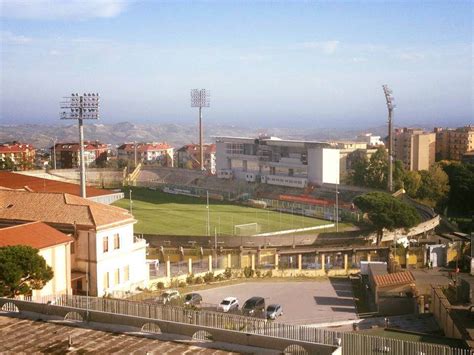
column 200, row 98
column 81, row 107
column 390, row 106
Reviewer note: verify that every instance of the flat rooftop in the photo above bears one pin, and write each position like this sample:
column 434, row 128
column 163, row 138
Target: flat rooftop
column 27, row 336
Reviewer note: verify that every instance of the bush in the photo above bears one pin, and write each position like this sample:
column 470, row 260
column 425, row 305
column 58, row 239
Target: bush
column 228, row 273
column 209, row 277
column 198, row 280
column 219, row 277
column 160, row 285
column 174, row 283
column 248, row 272
column 269, row 273
column 190, row 279
column 182, row 284
column 258, row 273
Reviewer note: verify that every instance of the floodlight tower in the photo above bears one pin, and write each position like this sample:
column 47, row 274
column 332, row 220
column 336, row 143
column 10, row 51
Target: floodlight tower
column 390, row 106
column 200, row 98
column 81, row 107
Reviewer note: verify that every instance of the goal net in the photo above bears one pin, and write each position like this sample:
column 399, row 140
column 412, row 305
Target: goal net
column 247, row 229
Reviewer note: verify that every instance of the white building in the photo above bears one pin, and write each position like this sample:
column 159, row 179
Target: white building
column 275, row 161
column 106, row 258
column 52, row 245
column 372, row 141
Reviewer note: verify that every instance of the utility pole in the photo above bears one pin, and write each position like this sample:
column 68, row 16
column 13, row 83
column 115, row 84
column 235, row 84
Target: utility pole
column 130, row 201
column 390, row 106
column 200, row 98
column 81, row 107
column 208, row 217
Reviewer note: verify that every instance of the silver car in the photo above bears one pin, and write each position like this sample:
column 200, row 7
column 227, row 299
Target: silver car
column 274, row 311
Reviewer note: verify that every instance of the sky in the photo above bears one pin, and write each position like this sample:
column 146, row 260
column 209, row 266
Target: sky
column 266, row 63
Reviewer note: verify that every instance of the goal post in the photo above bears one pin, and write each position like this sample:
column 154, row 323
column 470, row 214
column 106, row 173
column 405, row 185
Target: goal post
column 247, row 229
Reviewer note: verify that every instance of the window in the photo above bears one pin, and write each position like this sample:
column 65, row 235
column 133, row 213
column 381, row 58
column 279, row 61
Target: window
column 126, row 273
column 106, row 280
column 105, row 244
column 116, row 241
column 117, row 277
column 73, row 248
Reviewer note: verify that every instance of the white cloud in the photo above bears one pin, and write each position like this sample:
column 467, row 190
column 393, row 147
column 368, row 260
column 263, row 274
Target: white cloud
column 327, row 47
column 11, row 38
column 62, row 9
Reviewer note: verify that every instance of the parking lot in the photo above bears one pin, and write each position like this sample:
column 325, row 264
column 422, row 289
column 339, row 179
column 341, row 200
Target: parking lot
column 307, row 302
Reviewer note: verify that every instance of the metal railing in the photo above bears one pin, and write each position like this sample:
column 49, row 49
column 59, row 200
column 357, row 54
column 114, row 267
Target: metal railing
column 352, row 343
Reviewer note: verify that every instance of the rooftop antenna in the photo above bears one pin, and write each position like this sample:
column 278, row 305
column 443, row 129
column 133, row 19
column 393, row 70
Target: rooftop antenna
column 200, row 98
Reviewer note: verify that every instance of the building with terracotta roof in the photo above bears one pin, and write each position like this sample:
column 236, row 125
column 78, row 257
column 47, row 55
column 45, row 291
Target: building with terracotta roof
column 106, row 258
column 188, row 157
column 393, row 293
column 53, row 245
column 22, row 155
column 161, row 153
column 68, row 154
column 16, row 181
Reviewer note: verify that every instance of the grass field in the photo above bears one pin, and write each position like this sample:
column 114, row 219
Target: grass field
column 161, row 213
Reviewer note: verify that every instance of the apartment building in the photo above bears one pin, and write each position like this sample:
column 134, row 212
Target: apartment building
column 106, row 257
column 275, row 161
column 346, row 148
column 414, row 148
column 53, row 245
column 68, row 154
column 161, row 153
column 453, row 144
column 188, row 157
column 21, row 154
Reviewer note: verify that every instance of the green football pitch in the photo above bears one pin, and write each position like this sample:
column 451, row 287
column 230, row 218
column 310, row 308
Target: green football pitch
column 161, row 213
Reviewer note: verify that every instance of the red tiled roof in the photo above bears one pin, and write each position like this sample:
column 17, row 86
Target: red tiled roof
column 36, row 235
column 58, row 208
column 15, row 181
column 144, row 147
column 396, row 278
column 75, row 147
column 15, row 148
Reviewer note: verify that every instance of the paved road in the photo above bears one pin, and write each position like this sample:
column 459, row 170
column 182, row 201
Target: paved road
column 306, row 302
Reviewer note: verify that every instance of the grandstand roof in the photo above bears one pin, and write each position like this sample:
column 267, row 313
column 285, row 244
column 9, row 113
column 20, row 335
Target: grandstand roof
column 208, row 148
column 14, row 181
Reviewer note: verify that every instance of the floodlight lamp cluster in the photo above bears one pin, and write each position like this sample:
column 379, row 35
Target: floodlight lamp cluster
column 200, row 98
column 77, row 106
column 389, row 97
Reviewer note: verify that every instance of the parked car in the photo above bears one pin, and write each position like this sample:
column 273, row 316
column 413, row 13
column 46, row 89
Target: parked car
column 228, row 304
column 274, row 311
column 254, row 306
column 168, row 296
column 192, row 299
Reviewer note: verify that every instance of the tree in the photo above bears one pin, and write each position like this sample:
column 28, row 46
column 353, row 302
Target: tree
column 377, row 170
column 7, row 164
column 412, row 182
column 359, row 170
column 22, row 270
column 434, row 187
column 461, row 193
column 387, row 212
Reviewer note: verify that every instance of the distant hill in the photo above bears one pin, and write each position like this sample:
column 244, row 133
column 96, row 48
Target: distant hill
column 40, row 135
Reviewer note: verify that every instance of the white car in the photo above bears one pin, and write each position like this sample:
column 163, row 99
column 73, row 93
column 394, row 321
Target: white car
column 168, row 296
column 228, row 304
